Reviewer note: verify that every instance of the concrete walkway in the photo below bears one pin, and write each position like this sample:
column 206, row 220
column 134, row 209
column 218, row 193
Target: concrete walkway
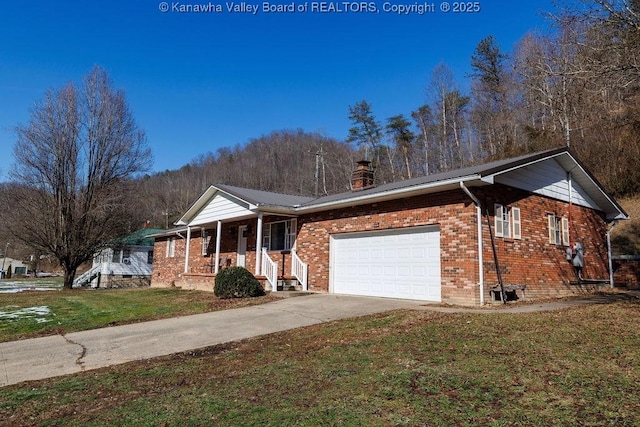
column 52, row 356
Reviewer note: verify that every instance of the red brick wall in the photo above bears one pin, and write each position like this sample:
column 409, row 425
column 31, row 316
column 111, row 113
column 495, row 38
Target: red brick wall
column 531, row 260
column 166, row 271
column 170, row 271
column 626, row 272
column 452, row 211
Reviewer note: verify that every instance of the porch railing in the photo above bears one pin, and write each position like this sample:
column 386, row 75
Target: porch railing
column 299, row 269
column 87, row 277
column 270, row 270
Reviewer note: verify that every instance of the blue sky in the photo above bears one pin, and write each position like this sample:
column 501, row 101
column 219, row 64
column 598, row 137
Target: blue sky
column 200, row 81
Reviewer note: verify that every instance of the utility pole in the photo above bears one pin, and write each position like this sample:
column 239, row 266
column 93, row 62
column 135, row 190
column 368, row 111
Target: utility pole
column 317, row 172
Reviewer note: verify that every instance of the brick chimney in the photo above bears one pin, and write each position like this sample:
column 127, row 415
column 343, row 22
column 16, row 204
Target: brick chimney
column 362, row 177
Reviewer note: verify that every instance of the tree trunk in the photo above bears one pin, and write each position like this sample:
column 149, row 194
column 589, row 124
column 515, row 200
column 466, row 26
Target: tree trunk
column 69, row 277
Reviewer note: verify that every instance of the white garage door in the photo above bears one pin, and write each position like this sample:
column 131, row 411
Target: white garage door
column 393, row 263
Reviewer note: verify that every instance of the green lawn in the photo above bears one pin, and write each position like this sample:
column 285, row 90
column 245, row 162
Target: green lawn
column 24, row 314
column 578, row 366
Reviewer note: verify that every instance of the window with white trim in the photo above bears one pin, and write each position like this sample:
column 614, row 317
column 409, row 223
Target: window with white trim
column 126, row 256
column 115, row 257
column 507, row 222
column 206, row 238
column 171, row 247
column 280, row 235
column 558, row 230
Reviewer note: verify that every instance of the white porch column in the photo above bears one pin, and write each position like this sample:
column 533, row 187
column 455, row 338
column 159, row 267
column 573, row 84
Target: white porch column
column 259, row 245
column 186, row 251
column 218, row 240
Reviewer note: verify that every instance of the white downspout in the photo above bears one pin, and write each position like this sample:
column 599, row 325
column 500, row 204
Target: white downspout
column 259, row 245
column 609, row 252
column 218, row 240
column 186, row 251
column 480, row 247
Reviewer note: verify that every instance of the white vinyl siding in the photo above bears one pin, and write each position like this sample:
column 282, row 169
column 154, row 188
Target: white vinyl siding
column 507, row 222
column 547, row 178
column 221, row 207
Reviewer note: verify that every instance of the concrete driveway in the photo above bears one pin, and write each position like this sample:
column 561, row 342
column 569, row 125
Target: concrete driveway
column 52, row 356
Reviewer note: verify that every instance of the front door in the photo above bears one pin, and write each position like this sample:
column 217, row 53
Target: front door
column 242, row 245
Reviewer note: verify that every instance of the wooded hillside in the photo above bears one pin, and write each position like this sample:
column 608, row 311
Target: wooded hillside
column 577, row 84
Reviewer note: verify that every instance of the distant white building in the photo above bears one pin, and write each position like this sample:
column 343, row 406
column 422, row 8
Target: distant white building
column 17, row 267
column 125, row 262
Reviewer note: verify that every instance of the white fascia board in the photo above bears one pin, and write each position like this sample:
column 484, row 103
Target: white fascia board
column 490, row 179
column 390, row 195
column 168, row 233
column 618, row 214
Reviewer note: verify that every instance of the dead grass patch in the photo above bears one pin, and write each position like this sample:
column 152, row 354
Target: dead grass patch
column 576, row 366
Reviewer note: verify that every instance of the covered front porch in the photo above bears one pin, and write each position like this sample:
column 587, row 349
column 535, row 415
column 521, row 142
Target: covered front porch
column 265, row 248
column 224, row 229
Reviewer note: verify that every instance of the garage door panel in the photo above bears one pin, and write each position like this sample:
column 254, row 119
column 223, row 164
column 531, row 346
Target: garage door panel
column 395, row 263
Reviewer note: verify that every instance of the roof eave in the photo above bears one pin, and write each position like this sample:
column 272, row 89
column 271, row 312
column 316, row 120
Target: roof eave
column 168, row 233
column 389, row 195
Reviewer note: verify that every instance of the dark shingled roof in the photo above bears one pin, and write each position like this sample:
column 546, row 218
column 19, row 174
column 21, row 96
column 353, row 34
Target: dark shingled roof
column 481, row 170
column 264, row 198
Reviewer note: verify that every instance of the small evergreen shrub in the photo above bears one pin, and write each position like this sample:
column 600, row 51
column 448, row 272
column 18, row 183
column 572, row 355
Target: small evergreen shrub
column 237, row 282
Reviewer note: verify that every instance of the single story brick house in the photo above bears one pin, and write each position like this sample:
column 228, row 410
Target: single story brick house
column 444, row 238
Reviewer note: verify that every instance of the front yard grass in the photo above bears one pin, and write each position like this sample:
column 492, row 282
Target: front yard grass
column 64, row 311
column 577, row 366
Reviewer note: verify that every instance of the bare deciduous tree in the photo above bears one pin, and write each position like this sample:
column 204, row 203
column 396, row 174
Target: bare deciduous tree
column 74, row 163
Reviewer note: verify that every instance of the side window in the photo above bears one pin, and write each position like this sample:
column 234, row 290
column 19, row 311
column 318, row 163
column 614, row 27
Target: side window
column 115, row 258
column 126, row 256
column 171, row 247
column 507, row 222
column 558, row 230
column 206, row 238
